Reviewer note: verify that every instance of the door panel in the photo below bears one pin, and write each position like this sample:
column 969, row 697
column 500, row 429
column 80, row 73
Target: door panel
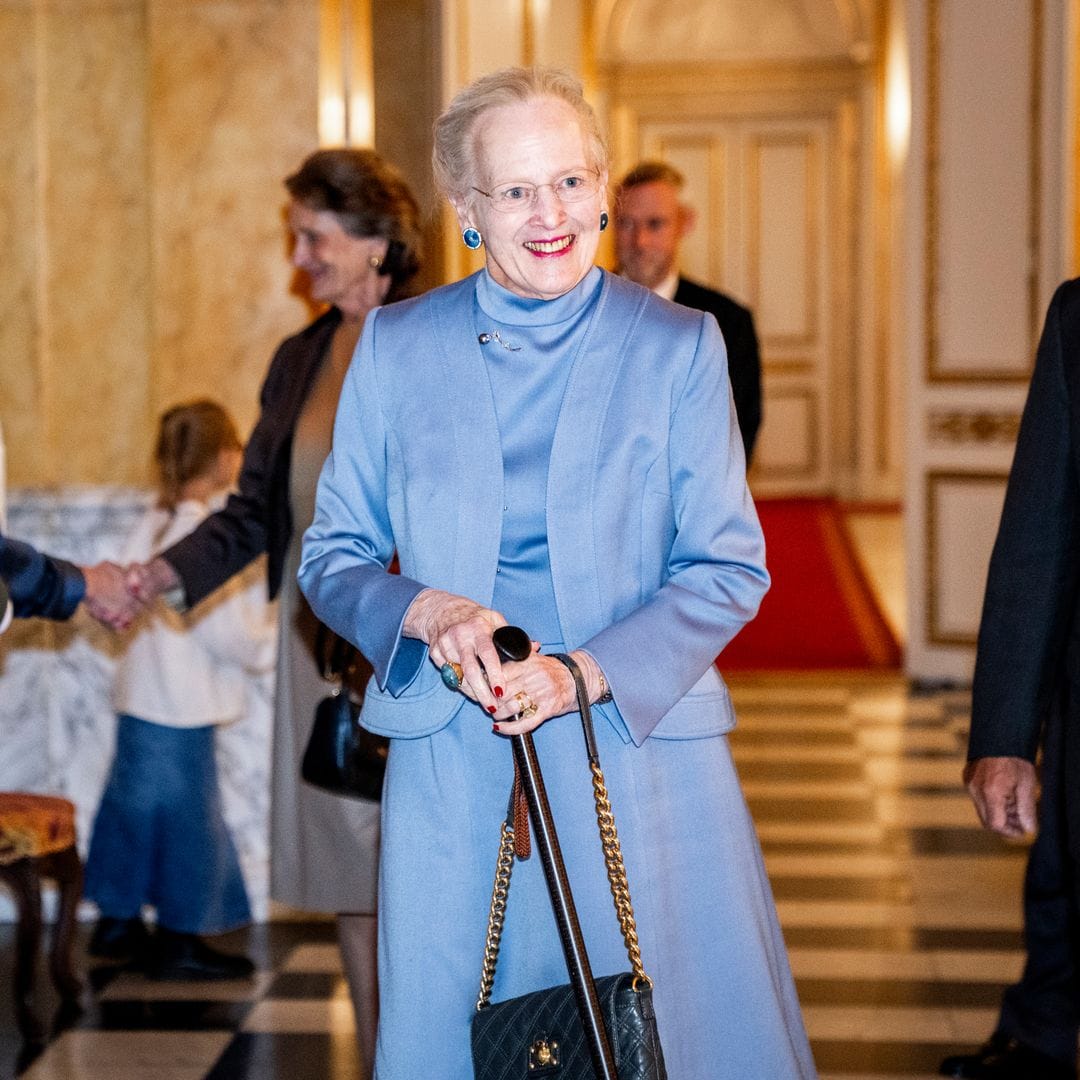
column 758, row 187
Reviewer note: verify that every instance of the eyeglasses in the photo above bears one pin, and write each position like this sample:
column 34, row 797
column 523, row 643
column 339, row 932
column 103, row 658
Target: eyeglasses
column 572, row 188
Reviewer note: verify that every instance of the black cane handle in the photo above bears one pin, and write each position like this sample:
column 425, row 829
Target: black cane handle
column 512, row 643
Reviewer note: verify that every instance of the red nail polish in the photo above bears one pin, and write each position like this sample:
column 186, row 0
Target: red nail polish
column 497, row 691
column 491, row 709
column 495, row 729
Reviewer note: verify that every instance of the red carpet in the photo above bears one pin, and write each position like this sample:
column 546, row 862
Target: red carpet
column 820, row 612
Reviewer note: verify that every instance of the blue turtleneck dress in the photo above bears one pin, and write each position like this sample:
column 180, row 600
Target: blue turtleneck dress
column 708, row 931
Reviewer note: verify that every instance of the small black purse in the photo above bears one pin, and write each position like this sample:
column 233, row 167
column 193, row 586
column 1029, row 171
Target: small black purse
column 541, row 1034
column 342, row 756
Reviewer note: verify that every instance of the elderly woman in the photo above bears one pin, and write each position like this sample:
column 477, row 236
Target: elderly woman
column 547, row 445
column 355, row 228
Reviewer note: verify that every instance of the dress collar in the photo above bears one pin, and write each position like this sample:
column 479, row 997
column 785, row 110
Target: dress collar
column 508, row 308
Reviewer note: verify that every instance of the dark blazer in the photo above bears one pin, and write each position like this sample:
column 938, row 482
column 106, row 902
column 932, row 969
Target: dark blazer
column 1028, row 656
column 37, row 583
column 258, row 518
column 744, row 363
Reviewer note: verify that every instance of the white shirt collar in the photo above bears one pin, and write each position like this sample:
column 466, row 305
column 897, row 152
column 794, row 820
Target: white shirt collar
column 667, row 288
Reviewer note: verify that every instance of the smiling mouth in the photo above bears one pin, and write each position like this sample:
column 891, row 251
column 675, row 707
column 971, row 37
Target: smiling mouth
column 549, row 247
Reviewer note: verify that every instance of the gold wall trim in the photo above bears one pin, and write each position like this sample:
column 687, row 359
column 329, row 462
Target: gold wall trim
column 346, row 74
column 934, row 481
column 934, row 373
column 792, row 365
column 883, row 251
column 666, row 79
column 957, row 426
column 528, row 33
column 1073, row 147
column 1035, row 176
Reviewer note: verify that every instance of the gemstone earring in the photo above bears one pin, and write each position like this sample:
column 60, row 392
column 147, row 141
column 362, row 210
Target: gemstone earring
column 603, row 220
column 471, row 239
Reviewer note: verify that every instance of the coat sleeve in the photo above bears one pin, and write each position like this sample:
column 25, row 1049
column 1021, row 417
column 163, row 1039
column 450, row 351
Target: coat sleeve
column 350, row 544
column 38, row 584
column 231, row 538
column 1031, row 589
column 715, row 575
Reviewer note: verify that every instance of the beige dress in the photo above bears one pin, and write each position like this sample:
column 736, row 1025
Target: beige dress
column 324, row 848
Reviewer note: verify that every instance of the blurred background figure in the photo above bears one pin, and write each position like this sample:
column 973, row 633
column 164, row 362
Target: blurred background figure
column 160, row 836
column 650, row 221
column 355, row 228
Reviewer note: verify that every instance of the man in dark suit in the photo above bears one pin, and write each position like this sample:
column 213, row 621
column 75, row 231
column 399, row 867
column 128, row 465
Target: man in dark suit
column 650, row 222
column 1026, row 690
column 35, row 584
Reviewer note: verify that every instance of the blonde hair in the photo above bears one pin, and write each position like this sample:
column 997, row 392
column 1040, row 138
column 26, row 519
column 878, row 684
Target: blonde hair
column 190, row 437
column 454, row 158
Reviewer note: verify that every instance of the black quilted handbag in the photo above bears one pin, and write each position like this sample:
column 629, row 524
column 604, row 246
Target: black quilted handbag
column 540, row 1036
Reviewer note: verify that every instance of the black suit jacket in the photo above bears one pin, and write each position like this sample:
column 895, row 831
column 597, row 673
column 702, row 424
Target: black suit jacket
column 257, row 518
column 1028, row 657
column 744, row 363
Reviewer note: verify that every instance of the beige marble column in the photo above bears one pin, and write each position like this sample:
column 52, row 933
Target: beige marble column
column 234, row 99
column 142, row 148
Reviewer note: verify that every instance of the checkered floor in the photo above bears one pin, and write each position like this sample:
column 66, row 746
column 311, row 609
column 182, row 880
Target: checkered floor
column 902, row 917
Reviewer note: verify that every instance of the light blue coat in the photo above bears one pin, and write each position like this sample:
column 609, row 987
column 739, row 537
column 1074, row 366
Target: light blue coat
column 657, row 560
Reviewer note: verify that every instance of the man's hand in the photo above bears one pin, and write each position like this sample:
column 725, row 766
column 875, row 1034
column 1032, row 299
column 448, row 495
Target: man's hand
column 107, row 597
column 1003, row 790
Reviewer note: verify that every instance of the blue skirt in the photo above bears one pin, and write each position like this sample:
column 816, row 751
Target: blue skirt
column 160, row 836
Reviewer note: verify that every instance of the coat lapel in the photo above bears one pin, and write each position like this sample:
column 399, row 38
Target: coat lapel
column 574, row 454
column 476, row 468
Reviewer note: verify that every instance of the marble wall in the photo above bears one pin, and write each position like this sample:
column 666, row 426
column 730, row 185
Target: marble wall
column 142, row 148
column 57, row 728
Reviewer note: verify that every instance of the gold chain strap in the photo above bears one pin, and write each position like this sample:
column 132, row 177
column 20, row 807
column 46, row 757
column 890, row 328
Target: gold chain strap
column 616, row 872
column 497, row 915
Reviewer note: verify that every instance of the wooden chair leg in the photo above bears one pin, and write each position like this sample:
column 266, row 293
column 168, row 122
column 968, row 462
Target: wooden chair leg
column 66, row 868
column 22, row 876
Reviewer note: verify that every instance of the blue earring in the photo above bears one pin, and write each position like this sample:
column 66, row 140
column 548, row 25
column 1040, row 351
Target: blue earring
column 603, row 220
column 471, row 239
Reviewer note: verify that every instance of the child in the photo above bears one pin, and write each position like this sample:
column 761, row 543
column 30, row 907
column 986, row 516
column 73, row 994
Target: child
column 160, row 836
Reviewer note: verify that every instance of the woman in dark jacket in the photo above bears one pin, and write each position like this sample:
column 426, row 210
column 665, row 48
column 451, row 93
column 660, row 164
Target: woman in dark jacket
column 355, row 226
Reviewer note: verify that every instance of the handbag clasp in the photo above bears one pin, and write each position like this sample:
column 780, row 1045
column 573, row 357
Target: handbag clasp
column 543, row 1054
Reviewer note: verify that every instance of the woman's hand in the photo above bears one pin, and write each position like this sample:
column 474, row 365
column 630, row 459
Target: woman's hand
column 542, row 687
column 147, row 581
column 458, row 630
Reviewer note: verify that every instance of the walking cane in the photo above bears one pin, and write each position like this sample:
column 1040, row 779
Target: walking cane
column 512, row 643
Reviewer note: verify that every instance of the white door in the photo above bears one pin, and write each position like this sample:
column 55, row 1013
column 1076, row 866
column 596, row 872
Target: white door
column 760, row 189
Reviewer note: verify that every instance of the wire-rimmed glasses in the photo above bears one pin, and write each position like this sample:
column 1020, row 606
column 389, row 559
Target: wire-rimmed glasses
column 571, row 188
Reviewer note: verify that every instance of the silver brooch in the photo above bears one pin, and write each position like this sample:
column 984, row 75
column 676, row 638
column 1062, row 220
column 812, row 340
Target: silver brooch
column 496, row 336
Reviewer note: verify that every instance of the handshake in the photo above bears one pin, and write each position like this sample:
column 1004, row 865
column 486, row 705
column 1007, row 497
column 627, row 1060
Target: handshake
column 116, row 594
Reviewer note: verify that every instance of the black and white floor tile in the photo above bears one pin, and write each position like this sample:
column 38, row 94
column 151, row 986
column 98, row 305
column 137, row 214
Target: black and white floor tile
column 901, row 916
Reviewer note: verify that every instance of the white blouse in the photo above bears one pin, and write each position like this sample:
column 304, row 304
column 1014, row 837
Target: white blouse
column 189, row 670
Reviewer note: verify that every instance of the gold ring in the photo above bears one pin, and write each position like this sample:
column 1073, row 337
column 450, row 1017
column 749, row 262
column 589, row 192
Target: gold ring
column 458, row 670
column 526, row 706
